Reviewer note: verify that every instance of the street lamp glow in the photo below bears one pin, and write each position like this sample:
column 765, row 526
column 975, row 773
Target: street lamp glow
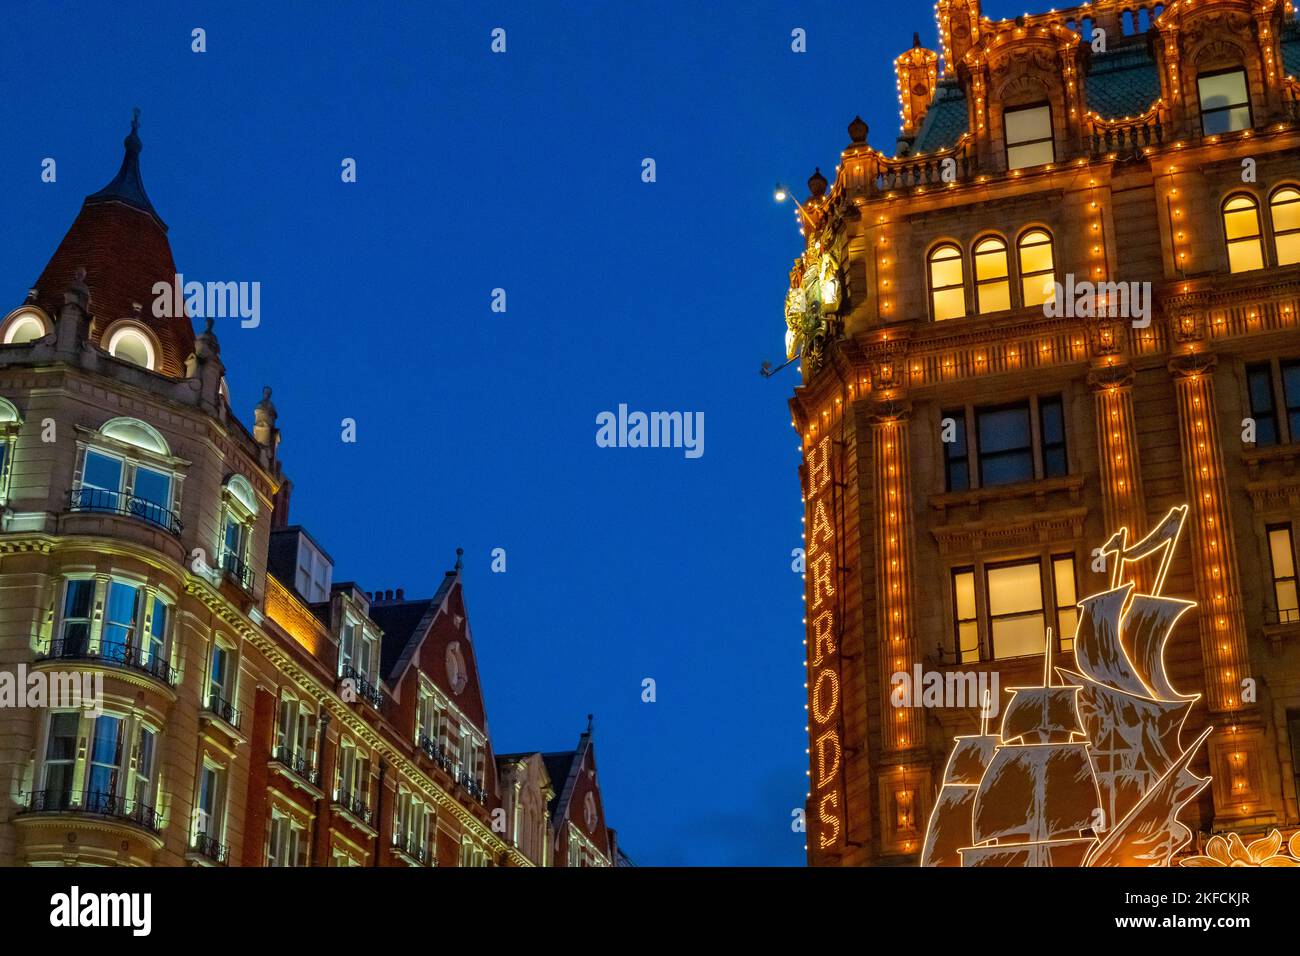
column 780, row 193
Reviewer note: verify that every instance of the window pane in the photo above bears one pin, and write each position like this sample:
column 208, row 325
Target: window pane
column 1279, row 545
column 950, row 304
column 945, row 271
column 1014, row 589
column 1063, row 578
column 1288, row 249
column 1241, row 223
column 969, row 639
column 1245, row 256
column 1028, row 124
column 994, row 297
column 1286, row 601
column 1004, row 429
column 153, row 486
column 964, row 592
column 1223, row 89
column 1038, row 289
column 1286, row 210
column 119, row 625
column 1067, row 622
column 1034, row 154
column 1291, row 388
column 1018, row 636
column 1035, row 253
column 990, row 259
column 102, row 472
column 105, row 755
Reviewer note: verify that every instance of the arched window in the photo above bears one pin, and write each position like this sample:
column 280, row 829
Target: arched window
column 131, row 344
column 1037, row 267
column 11, row 422
column 1285, row 210
column 25, row 326
column 992, row 276
column 1241, row 229
column 239, row 514
column 947, row 283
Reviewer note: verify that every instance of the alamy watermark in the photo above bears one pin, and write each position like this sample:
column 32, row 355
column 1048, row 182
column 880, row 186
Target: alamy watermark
column 945, row 689
column 651, row 430
column 209, row 300
column 51, row 688
column 1082, row 300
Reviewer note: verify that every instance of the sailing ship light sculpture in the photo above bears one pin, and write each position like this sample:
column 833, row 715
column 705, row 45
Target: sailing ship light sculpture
column 1087, row 769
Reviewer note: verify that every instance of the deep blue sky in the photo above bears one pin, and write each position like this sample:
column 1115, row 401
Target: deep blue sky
column 476, row 429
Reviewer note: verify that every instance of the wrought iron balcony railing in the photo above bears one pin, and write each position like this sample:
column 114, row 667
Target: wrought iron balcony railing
column 223, row 709
column 434, row 752
column 354, row 804
column 117, row 503
column 213, row 849
column 412, row 847
column 475, row 790
column 297, row 763
column 113, row 654
column 96, row 803
column 364, row 689
column 235, row 569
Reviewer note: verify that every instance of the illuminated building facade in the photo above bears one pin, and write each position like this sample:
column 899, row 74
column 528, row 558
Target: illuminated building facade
column 254, row 711
column 1066, row 303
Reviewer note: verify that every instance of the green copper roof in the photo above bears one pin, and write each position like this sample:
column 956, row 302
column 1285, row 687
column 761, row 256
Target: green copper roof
column 1123, row 82
column 944, row 121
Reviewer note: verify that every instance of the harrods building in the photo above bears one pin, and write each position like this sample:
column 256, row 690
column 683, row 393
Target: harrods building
column 971, row 437
column 255, row 711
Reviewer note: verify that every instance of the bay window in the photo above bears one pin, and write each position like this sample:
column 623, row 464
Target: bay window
column 135, row 631
column 114, row 773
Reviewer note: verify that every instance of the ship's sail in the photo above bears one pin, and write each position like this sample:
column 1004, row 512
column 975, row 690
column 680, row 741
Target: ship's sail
column 1098, row 650
column 1034, row 793
column 950, row 820
column 1148, row 623
column 1047, row 853
column 1039, row 715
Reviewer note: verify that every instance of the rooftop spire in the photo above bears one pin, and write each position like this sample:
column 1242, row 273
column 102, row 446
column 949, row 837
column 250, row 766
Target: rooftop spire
column 127, row 186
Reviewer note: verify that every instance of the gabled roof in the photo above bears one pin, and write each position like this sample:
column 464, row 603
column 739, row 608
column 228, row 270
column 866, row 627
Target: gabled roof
column 122, row 244
column 405, row 624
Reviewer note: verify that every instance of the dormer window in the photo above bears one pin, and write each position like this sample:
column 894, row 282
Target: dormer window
column 1225, row 101
column 25, row 326
column 131, row 343
column 1029, row 136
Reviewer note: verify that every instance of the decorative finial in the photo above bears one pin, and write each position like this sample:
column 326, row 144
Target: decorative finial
column 589, row 721
column 858, row 130
column 916, row 42
column 817, row 184
column 135, row 119
column 460, row 553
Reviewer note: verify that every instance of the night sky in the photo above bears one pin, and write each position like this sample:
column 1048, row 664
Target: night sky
column 476, row 429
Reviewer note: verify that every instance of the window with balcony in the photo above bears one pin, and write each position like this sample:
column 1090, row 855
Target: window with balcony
column 428, row 716
column 1037, row 267
column 127, row 474
column 352, row 780
column 992, row 276
column 1281, row 549
column 1001, row 610
column 1225, row 102
column 1241, row 229
column 295, row 737
column 1284, row 208
column 135, row 632
column 238, row 519
column 472, row 855
column 1029, row 136
column 947, row 283
column 412, row 821
column 210, row 813
column 114, row 775
column 223, row 670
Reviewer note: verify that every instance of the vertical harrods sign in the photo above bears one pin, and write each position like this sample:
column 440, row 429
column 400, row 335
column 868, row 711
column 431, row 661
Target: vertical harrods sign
column 823, row 504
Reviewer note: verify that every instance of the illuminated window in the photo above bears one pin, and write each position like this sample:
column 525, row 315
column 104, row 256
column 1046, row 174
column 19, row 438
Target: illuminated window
column 956, row 457
column 286, row 841
column 353, row 775
column 134, row 480
column 1029, row 137
column 966, row 618
column 1015, row 596
column 132, row 344
column 1225, row 103
column 1242, row 231
column 25, row 327
column 210, row 809
column 1001, row 610
column 116, row 763
column 1285, row 210
column 238, row 518
column 1259, row 386
column 1006, row 444
column 223, row 669
column 1293, row 731
column 1067, row 614
column 992, row 276
column 1037, row 267
column 1281, row 549
column 947, row 283
column 294, row 744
